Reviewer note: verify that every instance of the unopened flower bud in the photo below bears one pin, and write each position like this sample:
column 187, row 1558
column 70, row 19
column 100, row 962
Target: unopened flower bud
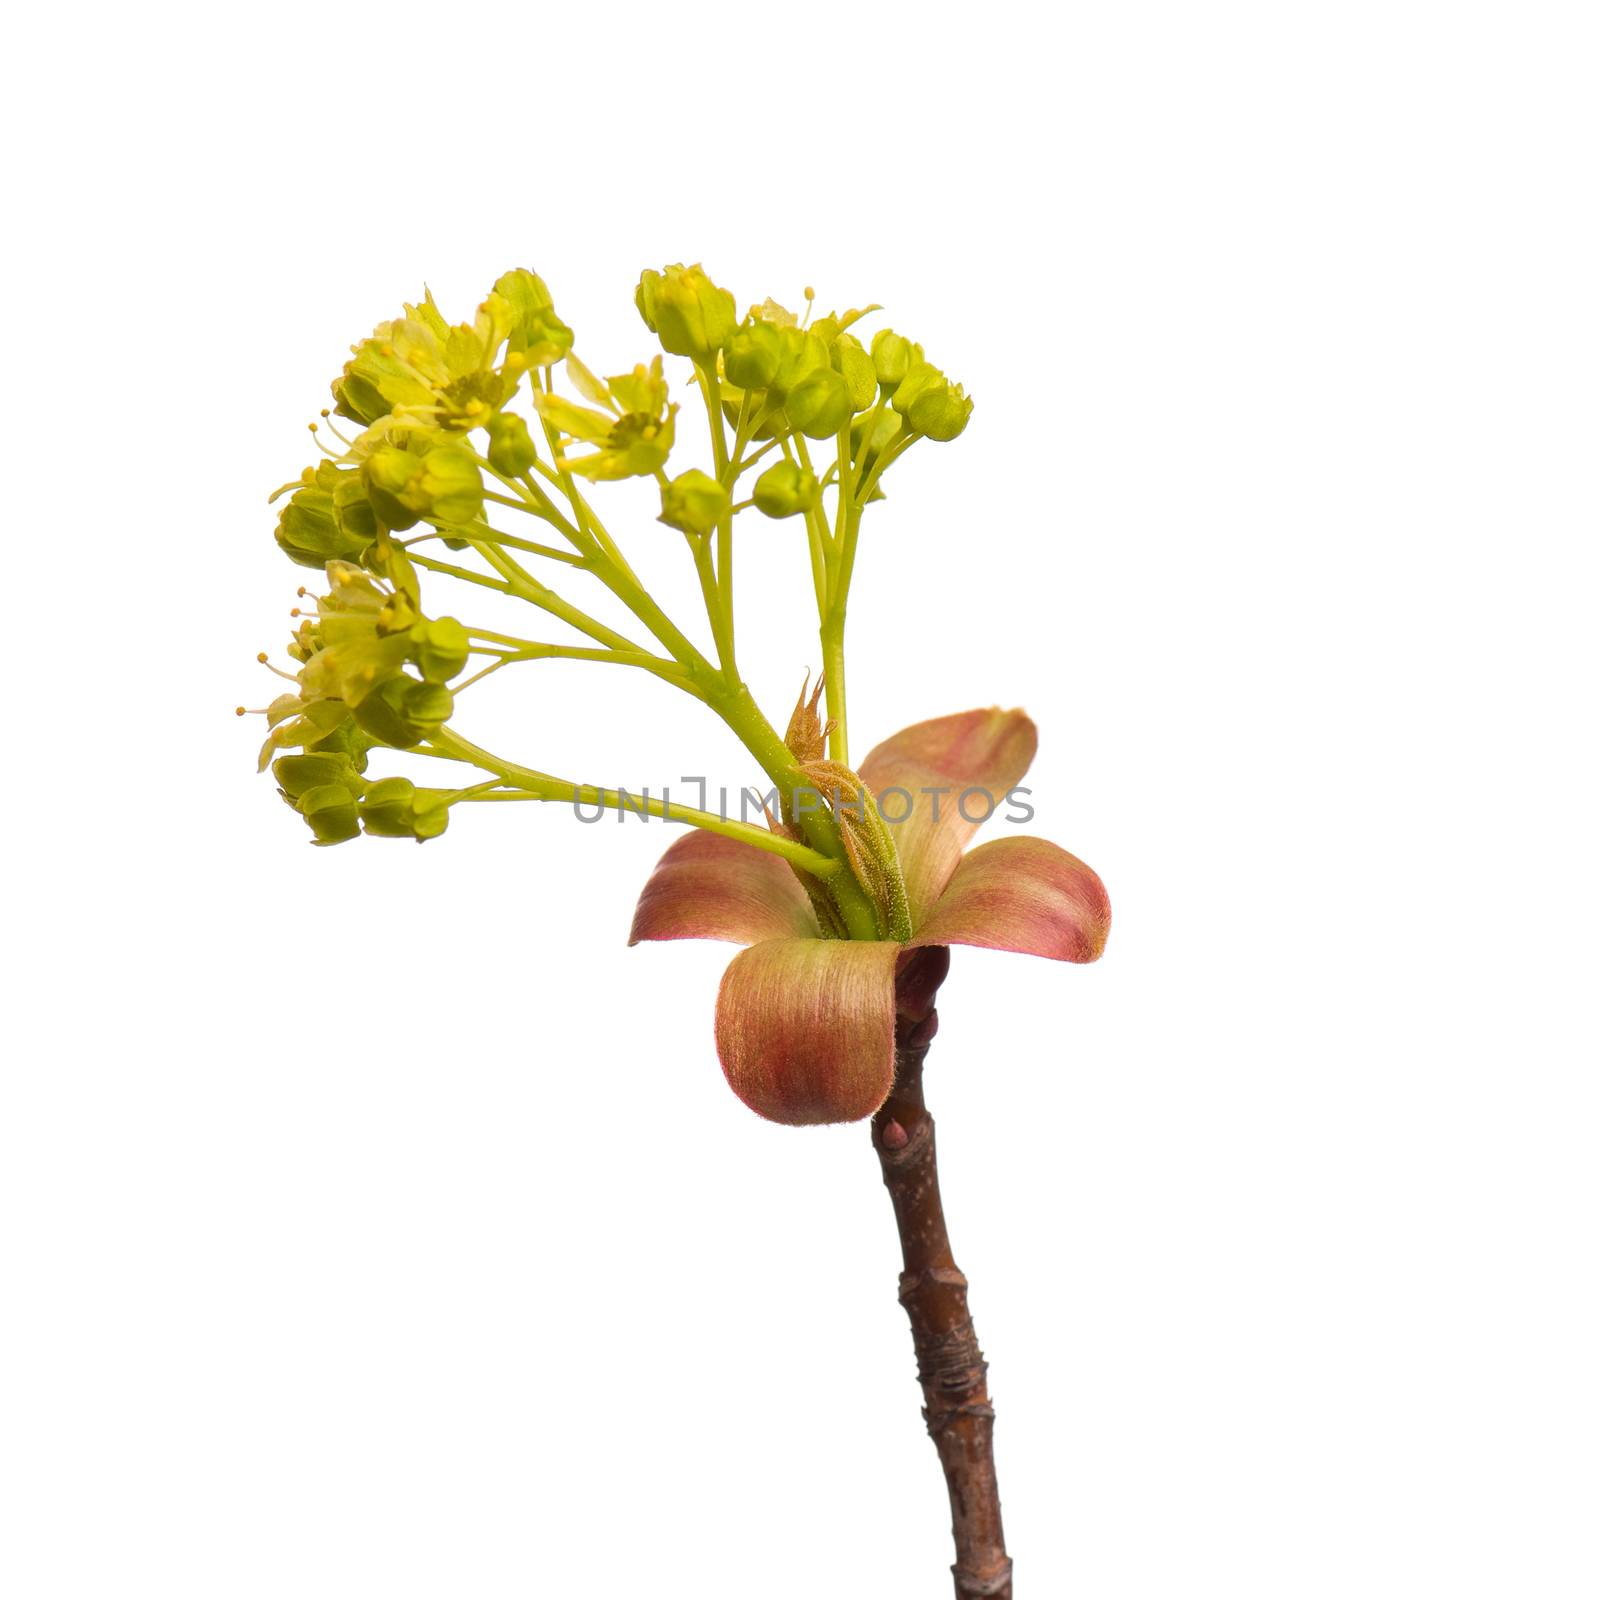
column 922, row 377
column 298, row 774
column 892, row 355
column 394, row 808
column 819, row 405
column 430, row 814
column 327, row 519
column 753, row 354
column 402, row 712
column 344, row 739
column 444, row 483
column 389, row 472
column 330, row 810
column 386, row 808
column 440, row 648
column 536, row 336
column 452, row 484
column 511, row 450
column 857, row 369
column 685, row 310
column 940, row 413
column 803, row 353
column 784, row 489
column 351, row 508
column 930, row 403
column 694, row 502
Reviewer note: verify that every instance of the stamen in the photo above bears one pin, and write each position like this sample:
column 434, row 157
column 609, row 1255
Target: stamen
column 327, row 416
column 288, row 677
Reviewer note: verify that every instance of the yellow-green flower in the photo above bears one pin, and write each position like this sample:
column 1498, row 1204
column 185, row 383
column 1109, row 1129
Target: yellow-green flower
column 857, row 369
column 363, row 633
column 632, row 444
column 418, row 367
column 892, row 355
column 694, row 501
column 421, row 368
column 439, row 481
column 930, row 403
column 327, row 518
column 819, row 404
column 686, row 311
column 402, row 712
column 784, row 489
column 394, row 808
column 753, row 354
column 330, row 810
column 439, row 647
column 536, row 336
column 511, row 447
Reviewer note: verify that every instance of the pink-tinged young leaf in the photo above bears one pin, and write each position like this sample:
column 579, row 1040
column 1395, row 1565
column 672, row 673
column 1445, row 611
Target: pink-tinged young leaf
column 1022, row 894
column 975, row 758
column 710, row 887
column 805, row 1028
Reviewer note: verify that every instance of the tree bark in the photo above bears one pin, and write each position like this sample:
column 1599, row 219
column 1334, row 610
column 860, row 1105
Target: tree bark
column 950, row 1366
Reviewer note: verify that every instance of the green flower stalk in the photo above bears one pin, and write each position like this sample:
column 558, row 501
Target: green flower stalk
column 472, row 462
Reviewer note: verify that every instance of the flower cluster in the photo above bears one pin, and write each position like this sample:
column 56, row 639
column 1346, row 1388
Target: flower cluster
column 804, row 376
column 441, row 443
column 419, row 368
column 373, row 671
column 819, row 379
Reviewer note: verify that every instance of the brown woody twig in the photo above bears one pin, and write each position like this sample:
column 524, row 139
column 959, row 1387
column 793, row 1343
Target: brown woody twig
column 950, row 1366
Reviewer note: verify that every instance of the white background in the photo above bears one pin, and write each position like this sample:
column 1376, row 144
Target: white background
column 373, row 1222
